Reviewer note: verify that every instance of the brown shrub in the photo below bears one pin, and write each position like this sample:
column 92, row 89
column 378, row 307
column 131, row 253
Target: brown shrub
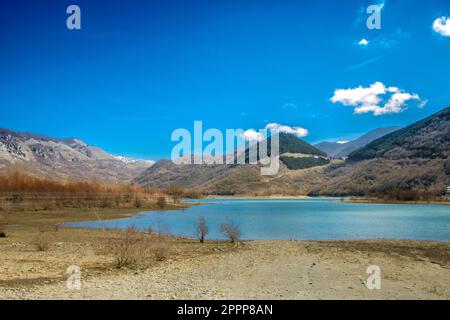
column 43, row 241
column 106, row 203
column 21, row 190
column 132, row 248
column 17, row 179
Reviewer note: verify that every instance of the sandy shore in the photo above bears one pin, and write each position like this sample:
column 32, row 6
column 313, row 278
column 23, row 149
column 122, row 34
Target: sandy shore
column 215, row 269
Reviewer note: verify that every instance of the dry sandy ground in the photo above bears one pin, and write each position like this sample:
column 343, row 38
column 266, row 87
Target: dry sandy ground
column 217, row 270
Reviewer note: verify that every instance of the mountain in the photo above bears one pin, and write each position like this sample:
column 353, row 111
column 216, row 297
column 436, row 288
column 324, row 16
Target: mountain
column 295, row 155
column 428, row 139
column 332, row 149
column 415, row 158
column 64, row 158
column 291, row 144
column 340, row 150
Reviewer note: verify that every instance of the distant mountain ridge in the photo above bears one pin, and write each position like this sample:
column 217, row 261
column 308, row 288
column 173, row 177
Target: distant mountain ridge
column 428, row 138
column 414, row 158
column 340, row 150
column 64, row 158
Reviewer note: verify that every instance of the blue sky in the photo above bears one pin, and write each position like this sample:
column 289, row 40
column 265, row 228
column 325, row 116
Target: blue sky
column 138, row 70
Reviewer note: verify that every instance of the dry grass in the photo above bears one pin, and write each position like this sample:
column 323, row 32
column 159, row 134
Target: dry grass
column 132, row 248
column 43, row 241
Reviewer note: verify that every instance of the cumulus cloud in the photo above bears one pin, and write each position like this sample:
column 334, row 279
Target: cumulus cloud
column 253, row 135
column 442, row 26
column 377, row 99
column 297, row 131
column 363, row 42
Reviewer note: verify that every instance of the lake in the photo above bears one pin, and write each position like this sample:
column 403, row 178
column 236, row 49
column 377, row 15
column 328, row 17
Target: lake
column 310, row 219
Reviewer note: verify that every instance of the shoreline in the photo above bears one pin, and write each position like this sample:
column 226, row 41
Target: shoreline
column 380, row 201
column 128, row 213
column 257, row 197
column 337, row 199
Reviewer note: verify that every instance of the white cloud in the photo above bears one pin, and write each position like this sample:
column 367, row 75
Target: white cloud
column 342, row 142
column 442, row 26
column 297, row 131
column 398, row 100
column 422, row 103
column 253, row 135
column 373, row 99
column 363, row 42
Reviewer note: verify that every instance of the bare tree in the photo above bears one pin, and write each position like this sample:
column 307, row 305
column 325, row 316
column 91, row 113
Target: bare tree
column 202, row 229
column 175, row 191
column 161, row 202
column 137, row 202
column 2, row 232
column 230, row 230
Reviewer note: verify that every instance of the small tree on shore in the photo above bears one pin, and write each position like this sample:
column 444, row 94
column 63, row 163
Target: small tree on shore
column 202, row 229
column 161, row 202
column 175, row 191
column 137, row 202
column 230, row 230
column 2, row 232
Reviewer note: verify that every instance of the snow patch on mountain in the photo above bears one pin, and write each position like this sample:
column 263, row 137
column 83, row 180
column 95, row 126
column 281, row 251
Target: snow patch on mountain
column 128, row 160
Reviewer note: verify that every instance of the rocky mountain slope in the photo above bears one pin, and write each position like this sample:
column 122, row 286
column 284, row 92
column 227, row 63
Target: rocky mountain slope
column 339, row 150
column 64, row 158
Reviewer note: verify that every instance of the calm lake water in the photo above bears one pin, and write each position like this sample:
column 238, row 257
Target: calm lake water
column 313, row 219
